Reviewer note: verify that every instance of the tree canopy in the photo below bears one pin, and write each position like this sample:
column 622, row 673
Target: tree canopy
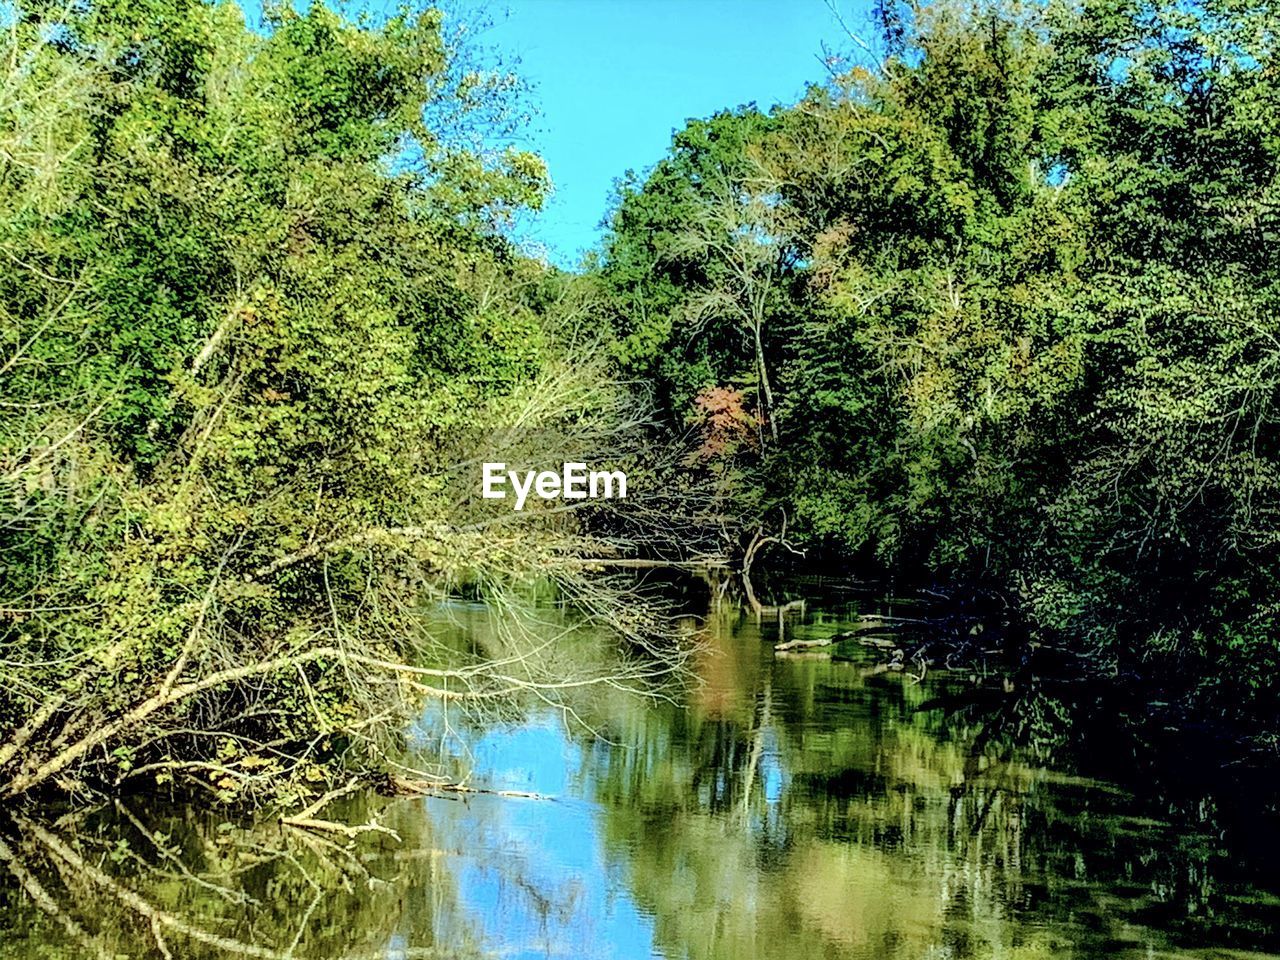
column 1020, row 328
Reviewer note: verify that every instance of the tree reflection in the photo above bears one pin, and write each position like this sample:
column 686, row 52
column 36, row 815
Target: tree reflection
column 809, row 807
column 184, row 883
column 798, row 807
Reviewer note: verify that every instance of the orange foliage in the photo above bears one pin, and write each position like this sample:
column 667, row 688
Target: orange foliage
column 726, row 424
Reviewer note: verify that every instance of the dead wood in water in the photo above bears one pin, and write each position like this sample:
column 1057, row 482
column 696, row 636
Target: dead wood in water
column 854, row 636
column 803, row 644
column 428, row 788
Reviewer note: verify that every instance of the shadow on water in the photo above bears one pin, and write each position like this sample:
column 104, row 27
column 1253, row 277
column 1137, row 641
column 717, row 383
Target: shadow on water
column 794, row 806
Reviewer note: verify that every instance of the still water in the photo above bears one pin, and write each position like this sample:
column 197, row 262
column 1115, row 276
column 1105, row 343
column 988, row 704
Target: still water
column 789, row 807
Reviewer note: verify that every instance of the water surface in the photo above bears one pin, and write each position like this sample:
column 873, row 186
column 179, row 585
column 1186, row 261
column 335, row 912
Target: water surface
column 796, row 806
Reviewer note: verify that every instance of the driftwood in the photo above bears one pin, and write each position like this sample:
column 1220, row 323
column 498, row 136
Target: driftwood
column 880, row 643
column 803, row 644
column 404, row 786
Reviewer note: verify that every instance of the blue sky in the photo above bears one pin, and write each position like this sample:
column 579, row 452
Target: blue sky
column 613, row 78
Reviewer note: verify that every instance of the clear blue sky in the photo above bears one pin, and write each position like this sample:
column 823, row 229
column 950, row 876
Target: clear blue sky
column 613, row 78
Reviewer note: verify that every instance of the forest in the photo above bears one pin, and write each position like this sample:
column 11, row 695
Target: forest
column 992, row 313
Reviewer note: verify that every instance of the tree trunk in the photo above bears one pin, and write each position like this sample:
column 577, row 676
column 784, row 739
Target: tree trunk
column 766, row 391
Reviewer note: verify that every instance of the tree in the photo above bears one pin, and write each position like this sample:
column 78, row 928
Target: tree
column 741, row 236
column 1022, row 342
column 262, row 317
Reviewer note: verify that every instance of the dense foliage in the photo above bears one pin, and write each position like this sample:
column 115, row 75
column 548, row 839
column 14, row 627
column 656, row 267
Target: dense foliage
column 256, row 309
column 1000, row 307
column 997, row 309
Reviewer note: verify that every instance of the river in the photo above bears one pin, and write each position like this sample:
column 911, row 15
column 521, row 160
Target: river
column 787, row 807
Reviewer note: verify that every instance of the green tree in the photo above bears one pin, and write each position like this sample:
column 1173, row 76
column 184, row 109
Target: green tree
column 261, row 309
column 1023, row 338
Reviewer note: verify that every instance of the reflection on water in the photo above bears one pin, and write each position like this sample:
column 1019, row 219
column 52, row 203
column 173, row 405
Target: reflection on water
column 795, row 807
